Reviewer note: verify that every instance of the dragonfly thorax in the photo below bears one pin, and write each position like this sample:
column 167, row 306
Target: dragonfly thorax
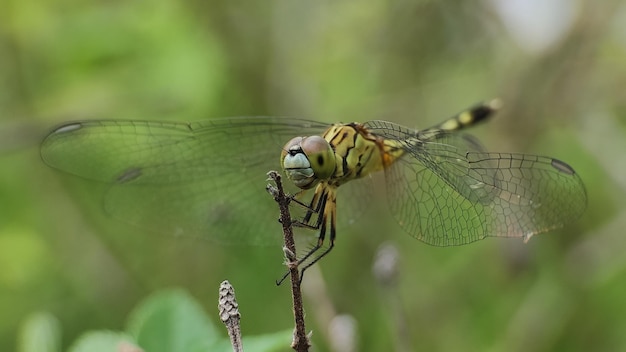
column 308, row 160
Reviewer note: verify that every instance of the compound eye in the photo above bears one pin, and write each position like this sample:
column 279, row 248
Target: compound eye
column 291, row 146
column 320, row 155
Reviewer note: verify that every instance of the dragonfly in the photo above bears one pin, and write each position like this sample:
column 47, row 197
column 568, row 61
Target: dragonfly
column 204, row 179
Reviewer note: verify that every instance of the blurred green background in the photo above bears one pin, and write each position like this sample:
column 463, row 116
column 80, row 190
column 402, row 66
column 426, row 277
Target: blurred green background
column 559, row 66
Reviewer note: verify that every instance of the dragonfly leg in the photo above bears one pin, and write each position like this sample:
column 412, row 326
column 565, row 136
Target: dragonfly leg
column 321, row 225
column 317, row 246
column 317, row 206
column 319, row 200
column 333, row 233
column 309, row 207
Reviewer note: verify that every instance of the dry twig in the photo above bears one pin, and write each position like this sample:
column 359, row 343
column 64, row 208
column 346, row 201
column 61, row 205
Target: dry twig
column 300, row 341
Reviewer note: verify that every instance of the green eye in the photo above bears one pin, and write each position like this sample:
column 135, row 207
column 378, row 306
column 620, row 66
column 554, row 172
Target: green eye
column 307, row 160
column 320, row 155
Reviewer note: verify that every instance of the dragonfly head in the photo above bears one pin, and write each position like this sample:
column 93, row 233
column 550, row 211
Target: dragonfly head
column 307, row 160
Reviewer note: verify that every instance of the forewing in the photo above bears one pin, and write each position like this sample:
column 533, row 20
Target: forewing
column 204, row 179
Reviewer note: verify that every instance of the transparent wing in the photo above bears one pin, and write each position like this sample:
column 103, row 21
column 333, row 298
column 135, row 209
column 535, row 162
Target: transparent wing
column 447, row 191
column 204, row 179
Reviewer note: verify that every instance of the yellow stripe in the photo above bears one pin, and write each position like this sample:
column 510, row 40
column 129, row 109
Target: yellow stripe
column 466, row 118
column 449, row 125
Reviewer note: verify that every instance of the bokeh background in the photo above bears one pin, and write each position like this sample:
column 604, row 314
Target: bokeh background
column 558, row 65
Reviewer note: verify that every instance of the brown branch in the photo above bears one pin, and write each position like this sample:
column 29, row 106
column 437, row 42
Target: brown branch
column 300, row 341
column 229, row 314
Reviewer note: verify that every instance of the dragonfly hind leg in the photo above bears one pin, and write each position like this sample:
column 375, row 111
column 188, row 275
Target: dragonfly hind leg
column 322, row 204
column 320, row 243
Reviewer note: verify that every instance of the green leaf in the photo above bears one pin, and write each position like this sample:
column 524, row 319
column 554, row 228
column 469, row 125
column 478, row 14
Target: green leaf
column 171, row 320
column 40, row 333
column 104, row 341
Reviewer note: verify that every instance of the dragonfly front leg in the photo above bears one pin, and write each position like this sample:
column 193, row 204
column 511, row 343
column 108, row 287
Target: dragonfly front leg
column 315, row 206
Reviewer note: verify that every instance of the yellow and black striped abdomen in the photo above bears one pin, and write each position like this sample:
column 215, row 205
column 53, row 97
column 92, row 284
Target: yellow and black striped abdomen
column 469, row 117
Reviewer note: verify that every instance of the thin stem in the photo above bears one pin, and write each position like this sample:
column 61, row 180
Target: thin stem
column 300, row 341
